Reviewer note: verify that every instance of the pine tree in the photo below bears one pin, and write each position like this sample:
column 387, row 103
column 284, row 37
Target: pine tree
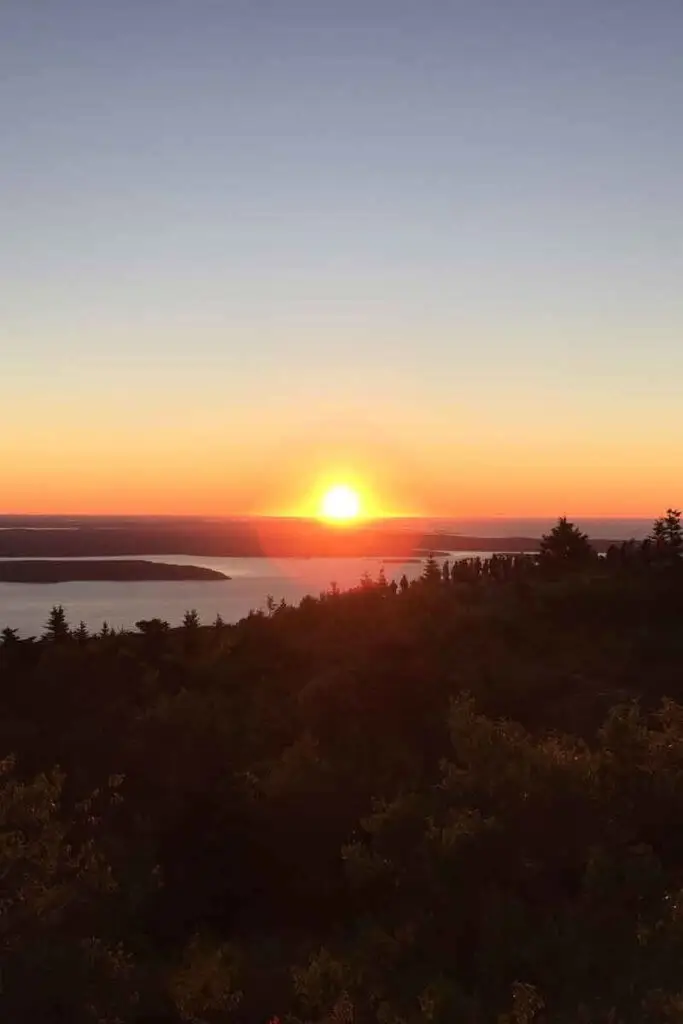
column 431, row 572
column 81, row 634
column 9, row 636
column 566, row 545
column 56, row 627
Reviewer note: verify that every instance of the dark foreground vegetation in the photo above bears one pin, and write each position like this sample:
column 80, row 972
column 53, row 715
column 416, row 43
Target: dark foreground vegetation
column 459, row 800
column 57, row 571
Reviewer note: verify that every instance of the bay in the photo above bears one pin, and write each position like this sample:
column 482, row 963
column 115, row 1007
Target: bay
column 121, row 604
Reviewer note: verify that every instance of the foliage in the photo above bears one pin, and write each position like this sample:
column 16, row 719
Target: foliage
column 667, row 534
column 57, row 628
column 455, row 799
column 566, row 545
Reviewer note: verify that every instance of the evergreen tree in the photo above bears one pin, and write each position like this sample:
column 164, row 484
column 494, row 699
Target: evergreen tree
column 446, row 571
column 81, row 634
column 431, row 572
column 9, row 637
column 218, row 622
column 403, row 583
column 566, row 545
column 57, row 628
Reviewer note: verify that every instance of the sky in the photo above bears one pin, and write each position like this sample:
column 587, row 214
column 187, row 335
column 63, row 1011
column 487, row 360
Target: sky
column 251, row 246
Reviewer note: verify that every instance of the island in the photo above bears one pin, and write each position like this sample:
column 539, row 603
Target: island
column 118, row 571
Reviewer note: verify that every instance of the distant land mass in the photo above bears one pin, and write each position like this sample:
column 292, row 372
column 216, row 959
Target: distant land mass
column 243, row 538
column 53, row 571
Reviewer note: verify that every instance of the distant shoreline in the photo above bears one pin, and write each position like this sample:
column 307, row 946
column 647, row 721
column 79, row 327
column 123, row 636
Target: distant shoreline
column 253, row 539
column 115, row 571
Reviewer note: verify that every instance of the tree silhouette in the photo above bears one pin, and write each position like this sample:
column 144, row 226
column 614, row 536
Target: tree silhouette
column 191, row 619
column 566, row 545
column 9, row 637
column 667, row 534
column 153, row 627
column 81, row 634
column 57, row 628
column 431, row 573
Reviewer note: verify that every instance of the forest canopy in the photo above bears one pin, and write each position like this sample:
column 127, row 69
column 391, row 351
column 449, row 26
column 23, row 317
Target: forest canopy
column 451, row 800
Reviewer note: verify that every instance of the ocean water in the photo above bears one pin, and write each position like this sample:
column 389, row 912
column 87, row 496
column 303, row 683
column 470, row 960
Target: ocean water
column 26, row 606
column 605, row 528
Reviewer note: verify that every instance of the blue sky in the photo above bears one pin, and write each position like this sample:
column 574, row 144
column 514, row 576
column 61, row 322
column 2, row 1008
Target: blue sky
column 460, row 224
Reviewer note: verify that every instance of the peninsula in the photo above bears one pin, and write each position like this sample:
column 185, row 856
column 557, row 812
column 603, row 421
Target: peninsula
column 122, row 571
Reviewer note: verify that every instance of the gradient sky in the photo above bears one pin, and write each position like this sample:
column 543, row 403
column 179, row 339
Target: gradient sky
column 434, row 246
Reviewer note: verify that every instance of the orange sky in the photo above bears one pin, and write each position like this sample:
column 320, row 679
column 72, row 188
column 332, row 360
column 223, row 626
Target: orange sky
column 192, row 444
column 424, row 470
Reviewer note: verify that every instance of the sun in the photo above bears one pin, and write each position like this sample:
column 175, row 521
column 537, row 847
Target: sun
column 341, row 504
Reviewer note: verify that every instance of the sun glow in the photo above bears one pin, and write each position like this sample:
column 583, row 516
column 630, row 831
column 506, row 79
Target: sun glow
column 340, row 504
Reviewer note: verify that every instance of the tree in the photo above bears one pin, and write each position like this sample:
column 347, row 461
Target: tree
column 218, row 622
column 431, row 573
column 403, row 583
column 667, row 534
column 57, row 628
column 366, row 581
column 446, row 571
column 81, row 634
column 57, row 887
column 191, row 619
column 9, row 636
column 566, row 545
column 152, row 627
column 155, row 634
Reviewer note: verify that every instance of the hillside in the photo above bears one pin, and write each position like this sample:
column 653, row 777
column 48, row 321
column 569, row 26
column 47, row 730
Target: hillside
column 452, row 800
